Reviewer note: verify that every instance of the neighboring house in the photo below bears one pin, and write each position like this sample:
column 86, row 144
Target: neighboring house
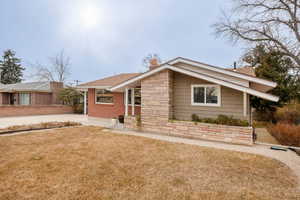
column 175, row 90
column 35, row 98
column 33, row 93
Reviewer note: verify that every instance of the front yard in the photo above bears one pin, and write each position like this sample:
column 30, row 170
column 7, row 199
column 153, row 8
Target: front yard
column 88, row 163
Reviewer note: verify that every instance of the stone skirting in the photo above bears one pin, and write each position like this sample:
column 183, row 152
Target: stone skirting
column 214, row 132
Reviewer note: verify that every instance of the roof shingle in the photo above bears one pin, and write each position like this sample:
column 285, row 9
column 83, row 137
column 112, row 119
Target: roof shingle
column 111, row 80
column 30, row 86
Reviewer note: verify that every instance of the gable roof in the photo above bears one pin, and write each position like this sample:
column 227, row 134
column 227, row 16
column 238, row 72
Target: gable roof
column 30, row 86
column 109, row 81
column 223, row 70
column 200, row 76
column 245, row 70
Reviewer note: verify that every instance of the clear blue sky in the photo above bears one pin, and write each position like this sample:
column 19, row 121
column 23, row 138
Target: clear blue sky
column 105, row 37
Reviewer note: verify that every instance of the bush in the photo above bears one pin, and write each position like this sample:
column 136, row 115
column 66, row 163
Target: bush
column 265, row 116
column 286, row 134
column 195, row 118
column 288, row 114
column 78, row 108
column 221, row 119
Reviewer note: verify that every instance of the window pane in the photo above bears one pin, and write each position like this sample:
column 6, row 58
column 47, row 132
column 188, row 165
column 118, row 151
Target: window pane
column 198, row 94
column 212, row 95
column 129, row 96
column 104, row 99
column 24, row 98
column 104, row 96
column 137, row 96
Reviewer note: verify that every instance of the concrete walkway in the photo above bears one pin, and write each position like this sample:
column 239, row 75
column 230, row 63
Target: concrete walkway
column 25, row 120
column 264, row 136
column 290, row 158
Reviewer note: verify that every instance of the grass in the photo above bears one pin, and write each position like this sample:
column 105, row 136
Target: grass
column 88, row 163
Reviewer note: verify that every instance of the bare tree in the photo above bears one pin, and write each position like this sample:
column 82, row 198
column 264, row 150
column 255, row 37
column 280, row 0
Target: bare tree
column 149, row 57
column 274, row 23
column 58, row 69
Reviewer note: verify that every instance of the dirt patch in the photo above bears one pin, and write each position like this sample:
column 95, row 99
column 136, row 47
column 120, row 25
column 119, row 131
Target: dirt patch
column 88, row 163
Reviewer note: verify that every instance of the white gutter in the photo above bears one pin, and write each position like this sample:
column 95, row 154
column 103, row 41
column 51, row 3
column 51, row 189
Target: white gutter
column 200, row 76
column 220, row 70
column 93, row 87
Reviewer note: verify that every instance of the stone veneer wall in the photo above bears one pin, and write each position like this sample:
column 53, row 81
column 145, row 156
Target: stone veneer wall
column 157, row 114
column 214, row 132
column 156, row 94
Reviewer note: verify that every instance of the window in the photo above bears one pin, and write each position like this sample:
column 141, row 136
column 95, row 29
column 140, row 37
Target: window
column 137, row 96
column 104, row 97
column 24, row 98
column 206, row 95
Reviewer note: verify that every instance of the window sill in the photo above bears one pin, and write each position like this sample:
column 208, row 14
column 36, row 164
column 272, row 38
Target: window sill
column 104, row 103
column 206, row 105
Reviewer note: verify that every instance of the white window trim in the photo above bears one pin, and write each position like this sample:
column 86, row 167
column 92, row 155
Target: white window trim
column 206, row 104
column 100, row 102
column 129, row 104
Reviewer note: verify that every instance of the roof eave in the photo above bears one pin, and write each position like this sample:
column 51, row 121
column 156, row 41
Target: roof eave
column 200, row 76
column 224, row 71
column 93, row 87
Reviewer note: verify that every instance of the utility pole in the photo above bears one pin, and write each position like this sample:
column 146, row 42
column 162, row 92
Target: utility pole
column 77, row 82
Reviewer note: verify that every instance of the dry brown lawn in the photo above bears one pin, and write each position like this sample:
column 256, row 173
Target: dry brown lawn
column 88, row 163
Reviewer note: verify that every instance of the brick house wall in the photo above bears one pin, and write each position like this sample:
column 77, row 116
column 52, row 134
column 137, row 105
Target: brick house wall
column 41, row 98
column 17, row 110
column 108, row 110
column 56, row 88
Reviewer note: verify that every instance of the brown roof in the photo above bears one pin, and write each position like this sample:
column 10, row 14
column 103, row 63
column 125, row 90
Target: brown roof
column 111, row 80
column 245, row 70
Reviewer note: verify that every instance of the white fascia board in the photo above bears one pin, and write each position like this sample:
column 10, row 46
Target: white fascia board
column 224, row 71
column 149, row 73
column 93, row 87
column 226, row 84
column 200, row 76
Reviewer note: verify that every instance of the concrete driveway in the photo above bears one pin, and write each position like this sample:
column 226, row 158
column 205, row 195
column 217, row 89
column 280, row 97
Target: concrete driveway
column 25, row 120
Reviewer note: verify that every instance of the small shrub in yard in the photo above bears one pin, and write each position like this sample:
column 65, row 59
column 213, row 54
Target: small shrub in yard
column 286, row 134
column 221, row 119
column 195, row 118
column 288, row 115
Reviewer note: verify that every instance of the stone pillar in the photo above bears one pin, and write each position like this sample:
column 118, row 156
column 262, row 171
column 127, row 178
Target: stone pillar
column 157, row 99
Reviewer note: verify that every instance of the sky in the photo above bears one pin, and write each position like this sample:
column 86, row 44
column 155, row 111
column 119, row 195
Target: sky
column 107, row 37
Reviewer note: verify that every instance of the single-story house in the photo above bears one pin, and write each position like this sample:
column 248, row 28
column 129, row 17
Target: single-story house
column 31, row 98
column 31, row 93
column 167, row 95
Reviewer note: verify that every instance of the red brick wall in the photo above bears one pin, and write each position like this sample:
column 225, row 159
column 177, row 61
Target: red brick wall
column 108, row 110
column 16, row 110
column 56, row 87
column 41, row 98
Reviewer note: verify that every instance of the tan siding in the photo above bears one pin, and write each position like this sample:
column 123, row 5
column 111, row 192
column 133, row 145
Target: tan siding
column 218, row 75
column 231, row 100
